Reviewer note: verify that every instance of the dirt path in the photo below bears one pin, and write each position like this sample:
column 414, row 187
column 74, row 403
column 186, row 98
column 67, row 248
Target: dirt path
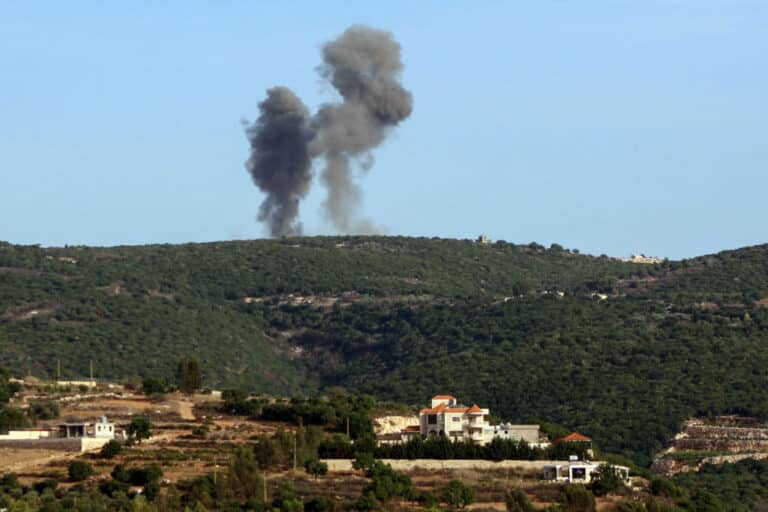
column 185, row 410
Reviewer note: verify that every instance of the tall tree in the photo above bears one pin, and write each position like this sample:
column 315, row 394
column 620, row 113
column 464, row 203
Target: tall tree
column 188, row 376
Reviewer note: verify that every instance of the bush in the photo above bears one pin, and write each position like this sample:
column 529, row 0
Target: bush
column 576, row 498
column 517, row 501
column 50, row 483
column 79, row 470
column 606, row 481
column 321, row 504
column 140, row 428
column 111, row 449
column 367, row 502
column 457, row 494
column 316, row 468
column 43, row 410
column 152, row 386
column 200, row 431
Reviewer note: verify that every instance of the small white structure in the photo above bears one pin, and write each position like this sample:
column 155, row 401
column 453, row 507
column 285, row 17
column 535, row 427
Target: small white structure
column 101, row 429
column 580, row 472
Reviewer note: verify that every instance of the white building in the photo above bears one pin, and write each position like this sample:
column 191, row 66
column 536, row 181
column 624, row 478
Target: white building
column 101, row 429
column 580, row 472
column 445, row 417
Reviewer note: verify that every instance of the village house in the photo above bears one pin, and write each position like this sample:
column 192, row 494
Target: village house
column 446, row 417
column 580, row 472
column 67, row 436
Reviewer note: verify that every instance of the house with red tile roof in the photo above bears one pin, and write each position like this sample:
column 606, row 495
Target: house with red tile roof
column 445, row 417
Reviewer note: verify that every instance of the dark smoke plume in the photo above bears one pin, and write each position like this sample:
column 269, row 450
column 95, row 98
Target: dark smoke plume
column 280, row 164
column 364, row 66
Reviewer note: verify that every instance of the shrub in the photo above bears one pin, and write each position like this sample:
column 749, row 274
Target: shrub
column 111, row 449
column 50, row 483
column 517, row 501
column 320, row 504
column 79, row 470
column 43, row 410
column 457, row 494
column 140, row 428
column 316, row 468
column 606, row 481
column 577, row 498
column 152, row 386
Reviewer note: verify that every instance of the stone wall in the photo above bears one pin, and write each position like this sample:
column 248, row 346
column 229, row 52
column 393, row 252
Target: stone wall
column 436, row 464
column 71, row 444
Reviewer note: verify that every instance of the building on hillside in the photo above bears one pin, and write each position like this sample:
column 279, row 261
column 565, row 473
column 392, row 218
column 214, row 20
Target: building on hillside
column 580, row 472
column 100, row 429
column 73, row 437
column 575, row 437
column 446, row 417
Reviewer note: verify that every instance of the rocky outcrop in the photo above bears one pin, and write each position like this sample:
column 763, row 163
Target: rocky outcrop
column 713, row 441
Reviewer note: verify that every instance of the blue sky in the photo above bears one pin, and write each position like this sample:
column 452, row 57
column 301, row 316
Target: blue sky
column 609, row 126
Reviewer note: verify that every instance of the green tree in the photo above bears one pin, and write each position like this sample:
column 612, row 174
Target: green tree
column 577, row 498
column 152, row 386
column 188, row 376
column 11, row 417
column 79, row 470
column 243, row 478
column 457, row 494
column 111, row 449
column 140, row 428
column 316, row 468
column 606, row 481
column 517, row 501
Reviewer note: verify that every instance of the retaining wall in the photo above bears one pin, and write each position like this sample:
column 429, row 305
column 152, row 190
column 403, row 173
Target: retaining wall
column 82, row 444
column 436, row 464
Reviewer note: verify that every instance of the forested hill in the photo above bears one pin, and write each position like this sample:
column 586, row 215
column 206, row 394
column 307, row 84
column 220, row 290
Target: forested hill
column 621, row 351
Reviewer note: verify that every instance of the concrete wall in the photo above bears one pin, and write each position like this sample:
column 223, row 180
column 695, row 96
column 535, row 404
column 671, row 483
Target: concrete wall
column 63, row 444
column 82, row 444
column 13, row 435
column 435, row 464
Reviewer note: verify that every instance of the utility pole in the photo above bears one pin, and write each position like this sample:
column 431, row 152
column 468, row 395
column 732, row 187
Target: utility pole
column 295, row 455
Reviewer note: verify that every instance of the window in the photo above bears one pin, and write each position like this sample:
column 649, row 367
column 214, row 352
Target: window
column 432, row 419
column 456, row 418
column 579, row 473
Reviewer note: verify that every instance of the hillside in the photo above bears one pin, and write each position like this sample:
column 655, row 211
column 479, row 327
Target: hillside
column 520, row 328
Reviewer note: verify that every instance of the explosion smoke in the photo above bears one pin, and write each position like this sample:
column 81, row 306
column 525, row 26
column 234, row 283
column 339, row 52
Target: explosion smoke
column 363, row 65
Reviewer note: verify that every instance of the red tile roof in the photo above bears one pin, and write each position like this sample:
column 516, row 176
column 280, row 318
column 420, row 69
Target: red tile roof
column 412, row 428
column 441, row 408
column 574, row 436
column 475, row 409
column 443, row 397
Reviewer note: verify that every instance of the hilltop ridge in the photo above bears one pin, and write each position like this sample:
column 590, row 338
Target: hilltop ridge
column 538, row 334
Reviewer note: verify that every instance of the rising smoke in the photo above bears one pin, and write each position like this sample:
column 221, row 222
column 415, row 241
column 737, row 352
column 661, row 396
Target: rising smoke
column 364, row 66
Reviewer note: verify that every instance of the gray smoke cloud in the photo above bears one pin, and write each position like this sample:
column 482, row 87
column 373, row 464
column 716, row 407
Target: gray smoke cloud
column 280, row 164
column 364, row 66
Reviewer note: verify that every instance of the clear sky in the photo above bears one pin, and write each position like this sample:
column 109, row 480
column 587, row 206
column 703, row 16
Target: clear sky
column 608, row 126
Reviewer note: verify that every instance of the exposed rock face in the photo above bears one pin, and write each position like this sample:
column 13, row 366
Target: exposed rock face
column 393, row 424
column 713, row 441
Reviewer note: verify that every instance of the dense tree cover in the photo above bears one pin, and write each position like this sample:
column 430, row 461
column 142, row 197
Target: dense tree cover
column 626, row 372
column 412, row 317
column 443, row 448
column 734, row 487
